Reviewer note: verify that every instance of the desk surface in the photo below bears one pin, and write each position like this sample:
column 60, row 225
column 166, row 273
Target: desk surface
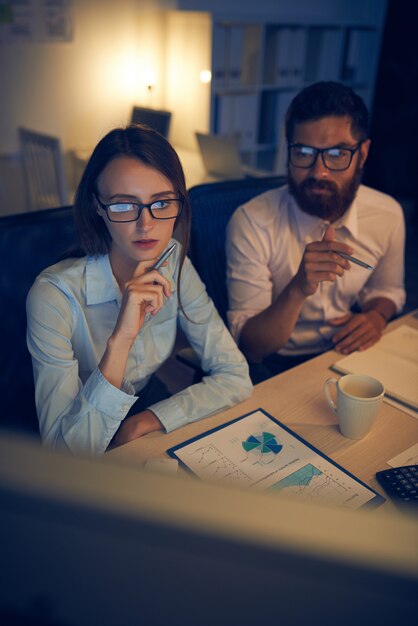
column 296, row 399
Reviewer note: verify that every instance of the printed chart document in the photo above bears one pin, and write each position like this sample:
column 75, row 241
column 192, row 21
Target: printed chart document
column 256, row 451
column 393, row 361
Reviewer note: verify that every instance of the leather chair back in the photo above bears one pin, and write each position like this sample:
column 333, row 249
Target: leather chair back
column 29, row 242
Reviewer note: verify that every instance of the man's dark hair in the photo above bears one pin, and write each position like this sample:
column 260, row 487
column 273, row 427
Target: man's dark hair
column 325, row 99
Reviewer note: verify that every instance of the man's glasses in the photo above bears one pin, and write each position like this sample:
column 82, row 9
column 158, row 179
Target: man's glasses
column 163, row 209
column 335, row 159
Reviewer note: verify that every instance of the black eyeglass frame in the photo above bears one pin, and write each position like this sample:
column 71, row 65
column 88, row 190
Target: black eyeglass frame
column 320, row 151
column 140, row 207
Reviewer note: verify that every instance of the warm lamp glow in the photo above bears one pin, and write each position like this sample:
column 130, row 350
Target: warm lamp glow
column 149, row 78
column 205, row 76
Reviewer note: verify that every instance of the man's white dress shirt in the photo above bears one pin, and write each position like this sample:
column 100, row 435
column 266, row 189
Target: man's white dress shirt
column 266, row 238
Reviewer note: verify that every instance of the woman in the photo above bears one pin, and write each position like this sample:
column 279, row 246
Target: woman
column 99, row 326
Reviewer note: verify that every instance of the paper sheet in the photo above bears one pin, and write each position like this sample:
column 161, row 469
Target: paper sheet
column 393, row 361
column 407, row 457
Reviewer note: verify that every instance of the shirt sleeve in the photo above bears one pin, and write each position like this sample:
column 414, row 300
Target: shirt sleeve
column 228, row 380
column 72, row 415
column 387, row 279
column 249, row 281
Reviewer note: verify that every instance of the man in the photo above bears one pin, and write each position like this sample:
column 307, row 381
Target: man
column 292, row 291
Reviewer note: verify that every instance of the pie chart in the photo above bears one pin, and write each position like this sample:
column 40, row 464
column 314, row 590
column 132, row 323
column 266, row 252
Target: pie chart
column 264, row 443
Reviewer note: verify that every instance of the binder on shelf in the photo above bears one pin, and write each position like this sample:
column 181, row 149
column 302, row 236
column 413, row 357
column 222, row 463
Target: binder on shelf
column 235, row 47
column 269, row 62
column 251, row 55
column 267, row 122
column 331, row 52
column 324, row 54
column 283, row 67
column 359, row 55
column 236, row 115
column 297, row 53
column 283, row 102
column 219, row 55
column 246, row 111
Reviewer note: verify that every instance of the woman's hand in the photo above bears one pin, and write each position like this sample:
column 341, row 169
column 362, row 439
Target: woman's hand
column 144, row 293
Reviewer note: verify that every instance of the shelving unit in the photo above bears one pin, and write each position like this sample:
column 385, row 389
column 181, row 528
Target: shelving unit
column 259, row 65
column 259, row 68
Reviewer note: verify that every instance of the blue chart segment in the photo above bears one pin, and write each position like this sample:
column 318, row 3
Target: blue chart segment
column 301, row 478
column 262, row 443
column 310, row 482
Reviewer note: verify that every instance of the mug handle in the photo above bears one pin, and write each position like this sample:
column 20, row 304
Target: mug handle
column 327, row 383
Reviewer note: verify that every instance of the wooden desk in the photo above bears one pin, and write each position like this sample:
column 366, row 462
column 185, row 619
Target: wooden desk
column 296, row 399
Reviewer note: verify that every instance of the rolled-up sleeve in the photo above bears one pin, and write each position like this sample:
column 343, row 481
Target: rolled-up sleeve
column 387, row 279
column 227, row 381
column 249, row 280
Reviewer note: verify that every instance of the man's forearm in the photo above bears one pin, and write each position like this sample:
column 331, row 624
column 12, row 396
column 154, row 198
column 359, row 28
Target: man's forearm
column 268, row 331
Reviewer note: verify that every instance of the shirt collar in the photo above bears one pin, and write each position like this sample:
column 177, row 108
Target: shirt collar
column 101, row 285
column 309, row 224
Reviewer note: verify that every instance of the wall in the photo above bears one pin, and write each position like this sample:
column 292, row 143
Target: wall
column 188, row 53
column 81, row 89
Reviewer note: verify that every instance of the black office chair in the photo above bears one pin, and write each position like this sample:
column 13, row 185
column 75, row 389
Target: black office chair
column 29, row 242
column 44, row 171
column 158, row 119
column 212, row 207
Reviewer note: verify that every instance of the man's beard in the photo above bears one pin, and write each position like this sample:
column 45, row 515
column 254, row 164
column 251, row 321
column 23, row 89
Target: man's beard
column 329, row 206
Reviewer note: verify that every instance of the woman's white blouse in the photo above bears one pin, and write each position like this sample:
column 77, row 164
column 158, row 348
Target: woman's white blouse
column 72, row 310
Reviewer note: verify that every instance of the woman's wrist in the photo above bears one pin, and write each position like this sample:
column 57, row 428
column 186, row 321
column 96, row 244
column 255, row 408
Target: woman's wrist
column 134, row 427
column 147, row 423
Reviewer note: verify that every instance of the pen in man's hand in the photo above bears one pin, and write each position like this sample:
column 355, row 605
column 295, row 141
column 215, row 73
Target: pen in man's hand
column 356, row 261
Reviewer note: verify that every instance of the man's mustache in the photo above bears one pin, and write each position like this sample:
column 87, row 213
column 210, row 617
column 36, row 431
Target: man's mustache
column 312, row 183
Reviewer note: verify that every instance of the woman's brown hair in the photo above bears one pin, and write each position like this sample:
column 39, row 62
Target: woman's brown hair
column 140, row 142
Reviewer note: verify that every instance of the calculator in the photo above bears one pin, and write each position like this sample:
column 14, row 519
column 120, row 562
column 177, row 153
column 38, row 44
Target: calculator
column 400, row 483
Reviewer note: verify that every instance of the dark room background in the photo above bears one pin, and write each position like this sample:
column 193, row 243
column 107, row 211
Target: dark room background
column 392, row 166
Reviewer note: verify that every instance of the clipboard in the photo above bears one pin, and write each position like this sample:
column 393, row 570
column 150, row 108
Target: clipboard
column 258, row 452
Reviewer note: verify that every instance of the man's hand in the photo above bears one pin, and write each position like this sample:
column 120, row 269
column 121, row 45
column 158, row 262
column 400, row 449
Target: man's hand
column 357, row 331
column 321, row 262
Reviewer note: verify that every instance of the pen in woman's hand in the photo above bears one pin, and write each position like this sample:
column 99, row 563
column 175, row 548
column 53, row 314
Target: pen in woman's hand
column 356, row 261
column 163, row 258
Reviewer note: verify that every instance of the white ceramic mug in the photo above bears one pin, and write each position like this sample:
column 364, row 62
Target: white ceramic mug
column 358, row 400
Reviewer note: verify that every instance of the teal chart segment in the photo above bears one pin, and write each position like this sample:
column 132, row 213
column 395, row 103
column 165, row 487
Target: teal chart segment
column 301, row 478
column 264, row 443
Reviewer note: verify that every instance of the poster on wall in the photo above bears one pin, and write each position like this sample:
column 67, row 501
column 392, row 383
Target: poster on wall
column 35, row 21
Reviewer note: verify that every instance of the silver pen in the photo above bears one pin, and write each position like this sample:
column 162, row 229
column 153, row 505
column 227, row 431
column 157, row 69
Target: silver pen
column 356, row 261
column 162, row 258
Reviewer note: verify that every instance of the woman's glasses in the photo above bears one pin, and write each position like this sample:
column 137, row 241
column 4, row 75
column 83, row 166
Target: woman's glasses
column 163, row 209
